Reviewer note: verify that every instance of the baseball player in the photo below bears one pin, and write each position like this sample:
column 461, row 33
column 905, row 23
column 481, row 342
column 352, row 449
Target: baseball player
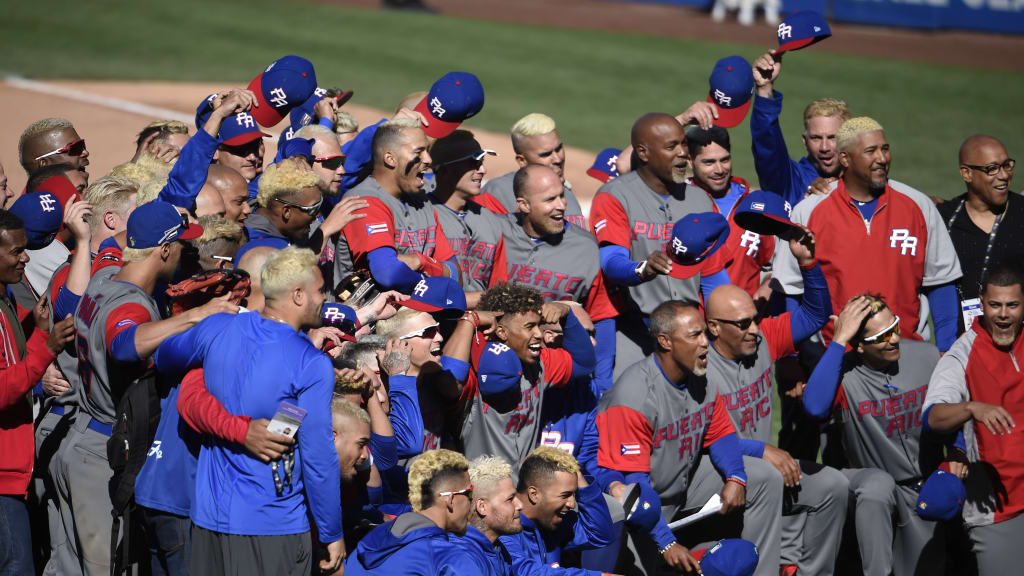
column 742, row 353
column 977, row 385
column 875, row 393
column 878, row 234
column 51, row 141
column 632, row 218
column 653, row 426
column 535, row 141
column 400, row 238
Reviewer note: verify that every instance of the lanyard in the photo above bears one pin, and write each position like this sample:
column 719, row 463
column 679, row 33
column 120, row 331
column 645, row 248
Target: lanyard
column 991, row 237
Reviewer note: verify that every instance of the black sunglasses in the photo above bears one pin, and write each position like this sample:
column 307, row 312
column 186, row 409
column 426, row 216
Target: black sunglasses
column 743, row 323
column 311, row 210
column 331, row 162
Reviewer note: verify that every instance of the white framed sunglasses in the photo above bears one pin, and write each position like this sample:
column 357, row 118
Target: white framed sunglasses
column 425, row 332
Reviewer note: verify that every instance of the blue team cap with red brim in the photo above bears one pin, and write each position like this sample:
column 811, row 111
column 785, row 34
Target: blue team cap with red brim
column 455, row 97
column 801, row 29
column 285, row 84
column 695, row 237
column 732, row 86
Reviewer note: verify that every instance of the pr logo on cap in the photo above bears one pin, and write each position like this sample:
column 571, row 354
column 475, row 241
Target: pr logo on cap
column 455, row 97
column 732, row 86
column 285, row 84
column 801, row 29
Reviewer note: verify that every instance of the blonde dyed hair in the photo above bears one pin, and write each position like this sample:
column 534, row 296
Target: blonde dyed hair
column 343, row 385
column 167, row 127
column 851, row 131
column 136, row 254
column 827, row 107
column 411, row 100
column 132, row 171
column 316, row 131
column 286, row 269
column 485, row 472
column 37, row 128
column 149, row 191
column 427, row 467
column 345, row 123
column 109, row 194
column 156, row 166
column 391, row 327
column 562, row 460
column 285, row 180
column 343, row 408
column 216, row 227
column 535, row 124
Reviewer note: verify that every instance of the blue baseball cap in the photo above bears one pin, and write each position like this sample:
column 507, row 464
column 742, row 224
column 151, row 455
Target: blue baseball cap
column 157, row 223
column 235, row 130
column 42, row 214
column 499, row 370
column 437, row 294
column 942, row 496
column 765, row 213
column 730, row 557
column 801, row 29
column 275, row 242
column 695, row 237
column 455, row 97
column 298, row 147
column 285, row 84
column 303, row 114
column 643, row 507
column 341, row 317
column 604, row 168
column 732, row 86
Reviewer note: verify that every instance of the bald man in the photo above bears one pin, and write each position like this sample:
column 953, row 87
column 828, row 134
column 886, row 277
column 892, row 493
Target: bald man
column 209, row 202
column 632, row 218
column 988, row 213
column 252, row 262
column 233, row 190
column 740, row 364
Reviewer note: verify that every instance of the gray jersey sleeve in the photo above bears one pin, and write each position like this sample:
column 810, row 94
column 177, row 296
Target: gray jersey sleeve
column 948, row 384
column 941, row 264
column 785, row 269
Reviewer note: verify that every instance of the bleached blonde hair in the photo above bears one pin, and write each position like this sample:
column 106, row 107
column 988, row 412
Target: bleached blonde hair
column 216, row 227
column 426, row 468
column 132, row 171
column 44, row 126
column 535, row 124
column 345, row 123
column 345, row 385
column 390, row 327
column 485, row 472
column 851, row 131
column 316, row 131
column 155, row 165
column 136, row 254
column 149, row 191
column 109, row 194
column 285, row 180
column 286, row 269
column 344, row 408
column 167, row 127
column 561, row 459
column 827, row 107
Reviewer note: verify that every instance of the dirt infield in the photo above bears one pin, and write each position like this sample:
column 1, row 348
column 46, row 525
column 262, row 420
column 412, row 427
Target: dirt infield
column 98, row 111
column 945, row 47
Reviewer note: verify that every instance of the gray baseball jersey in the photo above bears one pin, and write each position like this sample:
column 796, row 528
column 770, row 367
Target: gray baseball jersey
column 473, row 235
column 501, row 190
column 409, row 225
column 627, row 213
column 67, row 362
column 107, row 308
column 647, row 424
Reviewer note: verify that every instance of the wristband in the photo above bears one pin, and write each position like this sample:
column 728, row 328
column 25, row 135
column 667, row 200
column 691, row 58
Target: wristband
column 736, row 480
column 810, row 266
column 667, row 548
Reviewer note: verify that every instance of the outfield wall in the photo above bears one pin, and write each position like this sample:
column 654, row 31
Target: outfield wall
column 1005, row 16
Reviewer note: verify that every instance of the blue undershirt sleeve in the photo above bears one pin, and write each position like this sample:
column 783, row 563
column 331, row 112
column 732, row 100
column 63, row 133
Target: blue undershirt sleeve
column 122, row 347
column 944, row 304
column 753, row 448
column 577, row 343
column 617, row 266
column 390, row 272
column 709, row 283
column 457, row 368
column 823, row 383
column 406, row 419
column 815, row 308
column 604, row 332
column 728, row 459
column 326, row 123
column 66, row 302
column 384, row 450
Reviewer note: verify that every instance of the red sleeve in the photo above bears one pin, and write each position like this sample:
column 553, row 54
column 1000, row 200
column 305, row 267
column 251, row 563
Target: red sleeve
column 557, row 366
column 442, row 247
column 715, row 263
column 490, row 202
column 123, row 317
column 721, row 424
column 599, row 304
column 205, row 414
column 625, row 438
column 59, row 280
column 17, row 379
column 499, row 269
column 107, row 257
column 376, row 230
column 840, row 402
column 609, row 222
column 778, row 333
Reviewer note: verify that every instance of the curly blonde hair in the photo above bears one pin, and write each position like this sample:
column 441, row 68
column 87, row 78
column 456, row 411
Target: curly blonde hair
column 150, row 190
column 285, row 180
column 132, row 171
column 430, row 469
column 485, row 472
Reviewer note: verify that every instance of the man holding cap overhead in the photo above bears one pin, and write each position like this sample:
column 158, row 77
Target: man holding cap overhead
column 119, row 326
column 632, row 217
column 875, row 392
column 731, row 89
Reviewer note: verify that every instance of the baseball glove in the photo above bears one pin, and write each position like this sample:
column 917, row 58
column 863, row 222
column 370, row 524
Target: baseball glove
column 205, row 286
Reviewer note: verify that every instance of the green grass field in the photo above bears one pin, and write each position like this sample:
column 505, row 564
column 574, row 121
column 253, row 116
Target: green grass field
column 593, row 83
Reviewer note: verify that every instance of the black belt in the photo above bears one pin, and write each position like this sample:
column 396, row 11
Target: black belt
column 912, row 483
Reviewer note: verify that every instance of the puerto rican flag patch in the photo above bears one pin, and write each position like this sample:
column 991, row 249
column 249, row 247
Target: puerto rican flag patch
column 629, row 449
column 372, row 229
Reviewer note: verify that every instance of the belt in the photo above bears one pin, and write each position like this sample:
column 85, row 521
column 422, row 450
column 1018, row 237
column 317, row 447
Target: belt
column 97, row 426
column 912, row 483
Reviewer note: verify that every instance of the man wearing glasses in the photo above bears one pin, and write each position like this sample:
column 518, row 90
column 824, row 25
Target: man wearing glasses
column 441, row 496
column 986, row 224
column 51, row 141
column 328, row 161
column 288, row 202
column 875, row 393
column 743, row 351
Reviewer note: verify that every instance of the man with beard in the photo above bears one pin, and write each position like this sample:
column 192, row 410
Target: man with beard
column 775, row 169
column 495, row 512
column 877, row 234
column 978, row 385
column 986, row 227
column 399, row 238
column 328, row 161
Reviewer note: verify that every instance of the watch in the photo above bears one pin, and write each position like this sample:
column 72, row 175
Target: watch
column 640, row 269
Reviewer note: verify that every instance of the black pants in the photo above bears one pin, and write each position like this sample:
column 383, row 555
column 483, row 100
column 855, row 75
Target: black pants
column 218, row 554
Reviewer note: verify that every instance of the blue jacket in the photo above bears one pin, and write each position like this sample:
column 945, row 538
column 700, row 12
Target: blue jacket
column 189, row 173
column 474, row 555
column 776, row 171
column 410, row 545
column 251, row 365
column 168, row 478
column 536, row 553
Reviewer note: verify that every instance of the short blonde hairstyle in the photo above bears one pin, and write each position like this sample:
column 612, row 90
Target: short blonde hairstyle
column 150, row 190
column 390, row 327
column 286, row 269
column 109, row 194
column 44, row 126
column 411, row 100
column 343, row 385
column 485, row 472
column 561, row 459
column 316, row 131
column 133, row 172
column 827, row 107
column 136, row 254
column 167, row 127
column 155, row 165
column 344, row 408
column 345, row 123
column 285, row 180
column 427, row 467
column 534, row 124
column 851, row 131
column 216, row 227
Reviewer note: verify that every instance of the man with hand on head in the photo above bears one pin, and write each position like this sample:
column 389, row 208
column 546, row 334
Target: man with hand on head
column 535, row 141
column 441, row 494
column 279, row 500
column 560, row 512
column 977, row 385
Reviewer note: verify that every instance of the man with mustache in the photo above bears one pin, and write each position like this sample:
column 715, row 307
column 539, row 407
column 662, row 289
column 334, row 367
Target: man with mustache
column 978, row 385
column 880, row 235
column 51, row 141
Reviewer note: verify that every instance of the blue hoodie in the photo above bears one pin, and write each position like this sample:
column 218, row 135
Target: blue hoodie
column 474, row 555
column 410, row 544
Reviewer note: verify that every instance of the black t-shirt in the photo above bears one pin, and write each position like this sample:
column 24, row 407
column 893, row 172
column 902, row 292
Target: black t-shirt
column 970, row 241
